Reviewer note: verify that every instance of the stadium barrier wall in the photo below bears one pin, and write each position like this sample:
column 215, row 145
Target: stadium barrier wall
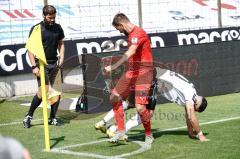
column 15, row 65
column 26, row 84
column 214, row 69
column 14, row 60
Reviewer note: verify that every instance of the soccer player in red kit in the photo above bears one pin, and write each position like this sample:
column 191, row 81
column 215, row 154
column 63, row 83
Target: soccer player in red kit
column 137, row 78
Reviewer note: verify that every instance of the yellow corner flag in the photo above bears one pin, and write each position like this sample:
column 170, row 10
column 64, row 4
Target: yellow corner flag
column 34, row 46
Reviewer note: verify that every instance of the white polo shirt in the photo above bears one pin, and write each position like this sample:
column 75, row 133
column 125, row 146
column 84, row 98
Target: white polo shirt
column 174, row 87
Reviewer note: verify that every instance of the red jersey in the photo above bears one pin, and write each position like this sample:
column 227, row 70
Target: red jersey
column 143, row 56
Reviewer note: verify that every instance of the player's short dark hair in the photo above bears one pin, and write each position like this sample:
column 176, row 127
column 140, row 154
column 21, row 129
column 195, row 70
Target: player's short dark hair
column 203, row 105
column 119, row 18
column 49, row 10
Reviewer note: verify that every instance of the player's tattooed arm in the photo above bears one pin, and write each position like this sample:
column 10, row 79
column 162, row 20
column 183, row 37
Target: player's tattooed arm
column 191, row 119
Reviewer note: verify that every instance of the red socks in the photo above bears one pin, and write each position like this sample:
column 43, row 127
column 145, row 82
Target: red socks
column 119, row 115
column 146, row 120
column 119, row 118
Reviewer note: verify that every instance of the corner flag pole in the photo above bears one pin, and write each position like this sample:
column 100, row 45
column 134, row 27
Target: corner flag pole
column 34, row 45
column 44, row 103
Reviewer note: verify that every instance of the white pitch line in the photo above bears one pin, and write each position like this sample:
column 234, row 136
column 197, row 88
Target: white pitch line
column 83, row 154
column 221, row 120
column 63, row 150
column 17, row 122
column 83, row 144
column 142, row 149
column 182, row 127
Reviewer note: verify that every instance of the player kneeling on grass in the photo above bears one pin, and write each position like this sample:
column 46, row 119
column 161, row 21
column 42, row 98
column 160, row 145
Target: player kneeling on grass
column 175, row 88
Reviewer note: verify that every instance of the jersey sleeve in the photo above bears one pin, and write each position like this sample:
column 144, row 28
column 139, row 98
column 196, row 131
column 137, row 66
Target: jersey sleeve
column 189, row 97
column 137, row 40
column 61, row 33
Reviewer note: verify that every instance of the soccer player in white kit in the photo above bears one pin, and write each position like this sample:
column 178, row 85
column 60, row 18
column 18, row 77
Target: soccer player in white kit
column 175, row 88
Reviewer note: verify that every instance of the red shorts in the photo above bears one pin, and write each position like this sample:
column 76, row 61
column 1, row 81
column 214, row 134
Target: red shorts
column 138, row 82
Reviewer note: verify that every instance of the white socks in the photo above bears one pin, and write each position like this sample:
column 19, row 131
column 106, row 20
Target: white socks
column 133, row 122
column 109, row 116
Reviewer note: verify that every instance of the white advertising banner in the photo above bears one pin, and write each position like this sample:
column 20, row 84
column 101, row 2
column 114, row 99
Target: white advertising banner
column 92, row 18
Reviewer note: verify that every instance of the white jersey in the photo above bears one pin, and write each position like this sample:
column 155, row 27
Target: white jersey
column 175, row 87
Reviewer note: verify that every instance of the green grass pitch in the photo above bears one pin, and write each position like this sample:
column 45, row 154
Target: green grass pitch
column 79, row 139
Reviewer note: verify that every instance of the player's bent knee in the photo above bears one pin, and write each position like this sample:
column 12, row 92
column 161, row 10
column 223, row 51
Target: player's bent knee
column 39, row 94
column 115, row 98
